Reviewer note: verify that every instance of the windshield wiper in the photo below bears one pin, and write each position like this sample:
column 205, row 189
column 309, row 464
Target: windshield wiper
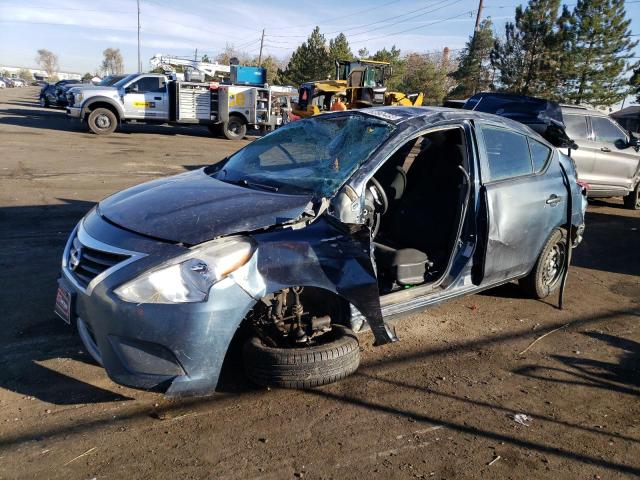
column 246, row 183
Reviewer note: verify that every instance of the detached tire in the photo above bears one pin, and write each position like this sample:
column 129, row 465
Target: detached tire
column 102, row 121
column 632, row 199
column 546, row 275
column 303, row 367
column 234, row 129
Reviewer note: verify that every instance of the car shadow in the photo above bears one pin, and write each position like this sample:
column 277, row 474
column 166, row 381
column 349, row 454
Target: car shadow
column 607, row 244
column 56, row 119
column 34, row 340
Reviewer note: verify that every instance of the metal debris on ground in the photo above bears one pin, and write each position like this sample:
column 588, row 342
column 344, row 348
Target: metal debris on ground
column 522, row 419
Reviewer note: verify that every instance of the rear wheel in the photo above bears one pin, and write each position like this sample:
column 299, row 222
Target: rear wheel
column 632, row 200
column 335, row 355
column 546, row 276
column 102, row 121
column 235, row 128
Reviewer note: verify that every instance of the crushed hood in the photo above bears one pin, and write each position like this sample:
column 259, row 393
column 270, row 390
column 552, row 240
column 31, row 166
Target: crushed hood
column 193, row 207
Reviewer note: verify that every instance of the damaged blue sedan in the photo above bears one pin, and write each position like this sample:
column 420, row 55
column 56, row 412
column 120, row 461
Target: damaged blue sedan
column 323, row 228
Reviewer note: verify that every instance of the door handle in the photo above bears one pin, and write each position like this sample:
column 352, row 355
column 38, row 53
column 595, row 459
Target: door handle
column 157, row 98
column 553, row 199
column 605, row 149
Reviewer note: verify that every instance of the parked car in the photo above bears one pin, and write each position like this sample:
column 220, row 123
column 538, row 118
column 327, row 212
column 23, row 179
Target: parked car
column 307, row 235
column 18, row 82
column 2, row 84
column 50, row 93
column 607, row 157
column 8, row 82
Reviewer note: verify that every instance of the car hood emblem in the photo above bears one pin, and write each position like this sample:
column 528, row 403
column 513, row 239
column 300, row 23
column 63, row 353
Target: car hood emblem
column 74, row 259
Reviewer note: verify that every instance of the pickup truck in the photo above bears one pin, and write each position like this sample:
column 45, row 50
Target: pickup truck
column 159, row 99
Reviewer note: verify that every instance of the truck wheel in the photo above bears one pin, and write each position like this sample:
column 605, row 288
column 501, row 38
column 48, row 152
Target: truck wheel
column 337, row 357
column 632, row 199
column 234, row 129
column 546, row 275
column 102, row 121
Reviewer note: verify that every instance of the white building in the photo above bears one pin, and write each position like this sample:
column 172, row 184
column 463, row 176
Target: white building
column 40, row 74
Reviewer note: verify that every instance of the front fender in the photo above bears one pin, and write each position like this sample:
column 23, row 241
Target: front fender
column 86, row 105
column 324, row 255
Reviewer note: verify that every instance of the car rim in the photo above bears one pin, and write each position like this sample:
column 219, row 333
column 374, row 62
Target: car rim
column 42, row 102
column 103, row 121
column 234, row 128
column 554, row 265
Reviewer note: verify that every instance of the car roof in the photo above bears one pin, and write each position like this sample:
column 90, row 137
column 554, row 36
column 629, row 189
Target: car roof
column 581, row 110
column 397, row 115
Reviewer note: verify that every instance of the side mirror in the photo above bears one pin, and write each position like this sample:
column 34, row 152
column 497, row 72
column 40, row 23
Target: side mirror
column 621, row 144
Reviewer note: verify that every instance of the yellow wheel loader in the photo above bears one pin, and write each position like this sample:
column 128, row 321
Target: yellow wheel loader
column 357, row 84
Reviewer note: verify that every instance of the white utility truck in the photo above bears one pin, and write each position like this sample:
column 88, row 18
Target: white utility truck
column 157, row 98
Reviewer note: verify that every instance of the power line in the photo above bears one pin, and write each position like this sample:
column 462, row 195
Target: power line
column 372, row 23
column 468, row 13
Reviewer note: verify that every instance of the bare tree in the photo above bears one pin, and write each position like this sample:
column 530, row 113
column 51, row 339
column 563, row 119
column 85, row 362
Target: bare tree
column 113, row 63
column 48, row 61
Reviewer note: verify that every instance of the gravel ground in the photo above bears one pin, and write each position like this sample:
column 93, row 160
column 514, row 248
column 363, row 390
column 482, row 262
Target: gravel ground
column 438, row 404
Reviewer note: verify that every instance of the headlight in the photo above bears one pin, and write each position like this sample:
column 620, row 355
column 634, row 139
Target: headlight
column 189, row 278
column 79, row 97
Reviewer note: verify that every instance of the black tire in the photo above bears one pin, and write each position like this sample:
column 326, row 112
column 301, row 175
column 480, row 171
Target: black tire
column 632, row 200
column 303, row 367
column 44, row 101
column 546, row 276
column 102, row 121
column 235, row 128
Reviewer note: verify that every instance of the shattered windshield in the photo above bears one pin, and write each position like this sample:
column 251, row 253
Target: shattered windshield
column 316, row 155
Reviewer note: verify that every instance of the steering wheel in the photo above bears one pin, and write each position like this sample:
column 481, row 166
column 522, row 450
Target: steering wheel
column 376, row 199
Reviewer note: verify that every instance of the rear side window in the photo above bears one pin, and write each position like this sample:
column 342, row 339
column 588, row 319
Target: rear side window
column 539, row 154
column 605, row 130
column 576, row 127
column 507, row 152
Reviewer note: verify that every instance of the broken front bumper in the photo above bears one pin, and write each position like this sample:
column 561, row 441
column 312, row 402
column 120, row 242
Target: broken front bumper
column 179, row 348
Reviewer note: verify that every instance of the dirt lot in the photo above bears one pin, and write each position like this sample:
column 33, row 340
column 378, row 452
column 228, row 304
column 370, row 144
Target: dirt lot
column 439, row 404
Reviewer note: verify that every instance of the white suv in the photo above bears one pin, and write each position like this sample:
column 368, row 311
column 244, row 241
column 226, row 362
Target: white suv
column 607, row 157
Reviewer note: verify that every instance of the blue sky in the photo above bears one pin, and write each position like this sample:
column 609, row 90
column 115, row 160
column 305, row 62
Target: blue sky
column 78, row 31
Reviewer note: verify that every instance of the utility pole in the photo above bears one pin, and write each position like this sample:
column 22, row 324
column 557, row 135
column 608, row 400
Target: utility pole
column 139, row 61
column 478, row 16
column 195, row 57
column 261, row 44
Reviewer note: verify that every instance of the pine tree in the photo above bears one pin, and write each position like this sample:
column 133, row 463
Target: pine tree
column 310, row 61
column 528, row 59
column 339, row 48
column 601, row 48
column 474, row 72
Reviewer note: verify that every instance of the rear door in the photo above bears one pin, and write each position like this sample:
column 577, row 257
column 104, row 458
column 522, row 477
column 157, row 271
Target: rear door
column 147, row 98
column 614, row 166
column 579, row 130
column 524, row 198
